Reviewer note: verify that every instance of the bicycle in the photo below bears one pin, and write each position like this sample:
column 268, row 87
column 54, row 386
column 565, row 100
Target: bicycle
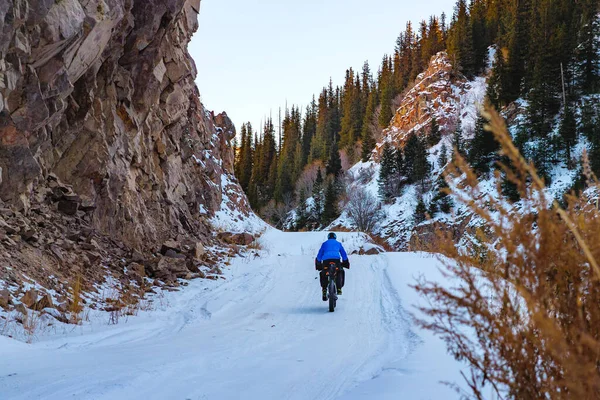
column 331, row 271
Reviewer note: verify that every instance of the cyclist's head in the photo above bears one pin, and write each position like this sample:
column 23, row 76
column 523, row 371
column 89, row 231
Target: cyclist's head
column 331, row 236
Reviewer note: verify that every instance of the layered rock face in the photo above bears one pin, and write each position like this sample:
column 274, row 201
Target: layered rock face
column 103, row 139
column 101, row 94
column 436, row 92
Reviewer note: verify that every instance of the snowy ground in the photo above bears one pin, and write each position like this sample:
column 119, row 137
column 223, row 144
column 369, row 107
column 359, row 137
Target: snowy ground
column 262, row 333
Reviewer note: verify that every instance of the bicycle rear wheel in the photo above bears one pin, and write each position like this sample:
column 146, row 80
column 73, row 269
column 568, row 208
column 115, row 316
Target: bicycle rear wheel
column 332, row 296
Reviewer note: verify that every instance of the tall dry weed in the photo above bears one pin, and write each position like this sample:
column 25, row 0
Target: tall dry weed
column 524, row 310
column 75, row 306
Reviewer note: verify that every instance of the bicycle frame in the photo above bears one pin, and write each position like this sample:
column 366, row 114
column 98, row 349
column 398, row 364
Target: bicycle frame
column 331, row 271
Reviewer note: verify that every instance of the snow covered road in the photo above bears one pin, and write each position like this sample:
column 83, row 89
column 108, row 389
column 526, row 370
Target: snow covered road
column 263, row 333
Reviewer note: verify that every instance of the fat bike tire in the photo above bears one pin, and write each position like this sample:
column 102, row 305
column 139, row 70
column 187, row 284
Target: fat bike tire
column 332, row 298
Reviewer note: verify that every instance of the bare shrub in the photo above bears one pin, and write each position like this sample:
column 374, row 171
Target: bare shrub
column 365, row 175
column 363, row 209
column 277, row 213
column 30, row 320
column 523, row 311
column 308, row 176
column 350, row 155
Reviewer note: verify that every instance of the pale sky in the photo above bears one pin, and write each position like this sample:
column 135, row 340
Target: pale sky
column 254, row 55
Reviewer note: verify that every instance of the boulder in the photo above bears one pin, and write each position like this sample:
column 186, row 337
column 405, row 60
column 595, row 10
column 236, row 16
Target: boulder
column 44, row 302
column 72, row 197
column 170, row 245
column 68, row 207
column 242, row 239
column 29, row 298
column 4, row 298
column 91, row 246
column 168, row 269
column 10, row 230
column 173, row 254
column 198, row 251
column 372, row 251
column 136, row 272
column 30, row 235
column 58, row 192
column 137, row 269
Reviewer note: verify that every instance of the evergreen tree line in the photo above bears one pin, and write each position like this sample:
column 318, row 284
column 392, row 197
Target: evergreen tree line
column 539, row 45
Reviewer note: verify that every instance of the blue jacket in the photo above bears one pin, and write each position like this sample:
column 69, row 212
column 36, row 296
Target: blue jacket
column 332, row 250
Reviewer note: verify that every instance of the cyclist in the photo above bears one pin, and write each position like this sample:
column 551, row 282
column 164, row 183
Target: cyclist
column 332, row 251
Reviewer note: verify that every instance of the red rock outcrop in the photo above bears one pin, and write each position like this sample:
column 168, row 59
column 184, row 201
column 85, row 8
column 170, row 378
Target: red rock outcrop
column 436, row 92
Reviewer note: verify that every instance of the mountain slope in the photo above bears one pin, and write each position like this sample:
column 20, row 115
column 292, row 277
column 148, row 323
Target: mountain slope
column 437, row 93
column 263, row 332
column 106, row 151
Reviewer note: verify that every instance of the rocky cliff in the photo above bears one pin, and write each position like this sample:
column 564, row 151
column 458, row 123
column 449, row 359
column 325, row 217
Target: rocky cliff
column 438, row 92
column 105, row 149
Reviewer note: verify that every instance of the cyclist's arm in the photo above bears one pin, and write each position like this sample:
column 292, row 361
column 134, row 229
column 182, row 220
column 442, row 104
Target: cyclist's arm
column 320, row 254
column 343, row 253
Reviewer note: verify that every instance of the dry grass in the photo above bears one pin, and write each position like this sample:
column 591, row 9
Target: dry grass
column 255, row 245
column 530, row 293
column 75, row 306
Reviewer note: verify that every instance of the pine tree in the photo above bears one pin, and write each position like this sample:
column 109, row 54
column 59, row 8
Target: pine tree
column 400, row 164
column 590, row 129
column 422, row 167
column 385, row 115
column 434, row 133
column 420, row 212
column 288, row 168
column 518, row 44
column 594, row 155
column 350, row 111
column 387, row 172
column 498, row 83
column 309, row 130
column 479, row 34
column 246, row 157
column 443, row 158
column 568, row 130
column 238, row 152
column 417, row 62
column 460, row 40
column 334, row 163
column 457, row 141
column 317, row 208
column 442, row 200
column 410, row 153
column 320, row 140
column 540, row 155
column 368, row 142
column 588, row 120
column 547, row 50
column 417, row 164
column 406, row 48
column 509, row 189
column 301, row 211
column 330, row 211
column 588, row 52
column 483, row 148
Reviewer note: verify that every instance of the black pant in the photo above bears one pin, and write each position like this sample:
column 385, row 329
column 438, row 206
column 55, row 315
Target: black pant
column 339, row 279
